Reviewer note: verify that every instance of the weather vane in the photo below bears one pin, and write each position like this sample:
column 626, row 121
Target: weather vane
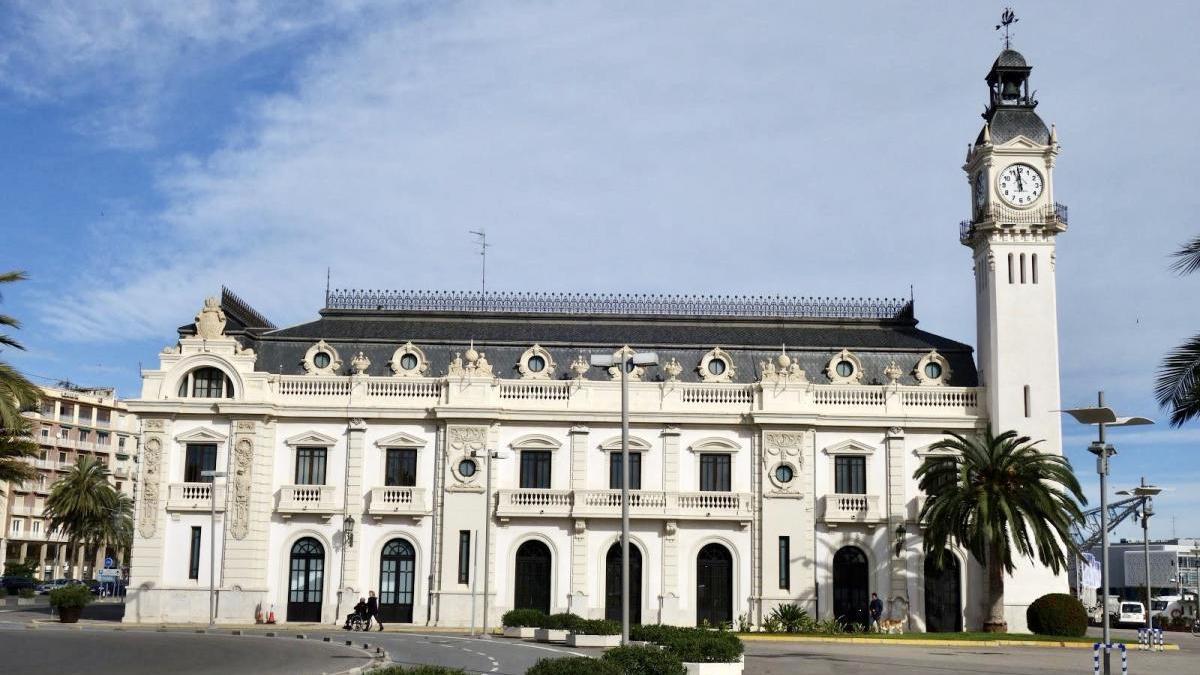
column 1007, row 18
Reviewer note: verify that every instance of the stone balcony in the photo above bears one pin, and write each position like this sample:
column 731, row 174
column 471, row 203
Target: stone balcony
column 307, row 500
column 398, row 501
column 843, row 509
column 643, row 504
column 194, row 497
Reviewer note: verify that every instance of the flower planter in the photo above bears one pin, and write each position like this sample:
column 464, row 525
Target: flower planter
column 550, row 635
column 26, row 601
column 524, row 632
column 734, row 668
column 576, row 640
column 69, row 614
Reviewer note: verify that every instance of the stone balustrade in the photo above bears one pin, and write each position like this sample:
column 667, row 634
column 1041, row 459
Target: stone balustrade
column 398, row 501
column 846, row 508
column 194, row 496
column 307, row 499
column 643, row 504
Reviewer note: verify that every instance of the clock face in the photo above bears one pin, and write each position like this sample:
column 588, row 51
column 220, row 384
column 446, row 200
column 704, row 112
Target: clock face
column 1020, row 184
column 980, row 190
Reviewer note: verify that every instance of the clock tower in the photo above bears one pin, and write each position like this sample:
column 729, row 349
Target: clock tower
column 1012, row 231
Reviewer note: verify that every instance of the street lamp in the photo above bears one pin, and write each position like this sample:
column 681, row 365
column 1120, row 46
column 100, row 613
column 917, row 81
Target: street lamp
column 900, row 532
column 1145, row 493
column 1103, row 417
column 487, row 535
column 212, row 543
column 347, row 542
column 625, row 360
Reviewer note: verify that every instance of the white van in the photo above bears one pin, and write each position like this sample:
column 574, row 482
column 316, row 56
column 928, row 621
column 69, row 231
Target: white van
column 1131, row 613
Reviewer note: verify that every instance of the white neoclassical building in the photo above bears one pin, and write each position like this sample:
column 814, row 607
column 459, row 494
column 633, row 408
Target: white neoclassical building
column 773, row 446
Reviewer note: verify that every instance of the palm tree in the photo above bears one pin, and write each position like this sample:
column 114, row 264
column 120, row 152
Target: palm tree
column 16, row 394
column 998, row 497
column 1178, row 385
column 87, row 509
column 16, row 443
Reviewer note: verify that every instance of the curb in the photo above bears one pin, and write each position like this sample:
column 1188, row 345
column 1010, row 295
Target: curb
column 1049, row 644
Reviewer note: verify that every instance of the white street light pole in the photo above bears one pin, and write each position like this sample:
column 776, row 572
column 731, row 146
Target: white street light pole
column 1103, row 417
column 626, row 363
column 212, row 544
column 1145, row 493
column 487, row 531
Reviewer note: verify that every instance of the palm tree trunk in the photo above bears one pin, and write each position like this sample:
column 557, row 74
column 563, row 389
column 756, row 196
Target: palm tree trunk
column 995, row 570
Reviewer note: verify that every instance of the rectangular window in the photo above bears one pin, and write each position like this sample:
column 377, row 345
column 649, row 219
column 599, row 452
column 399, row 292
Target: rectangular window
column 1027, row 402
column 715, row 472
column 1033, row 268
column 464, row 556
column 635, row 471
column 194, row 555
column 35, row 526
column 785, row 563
column 400, row 467
column 310, row 466
column 62, row 457
column 64, row 433
column 85, row 435
column 197, row 458
column 45, row 434
column 102, row 438
column 48, row 408
column 121, row 442
column 16, row 525
column 850, row 475
column 535, row 469
column 67, row 410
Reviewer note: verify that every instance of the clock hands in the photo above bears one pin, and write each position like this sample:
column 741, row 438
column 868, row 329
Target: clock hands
column 1020, row 184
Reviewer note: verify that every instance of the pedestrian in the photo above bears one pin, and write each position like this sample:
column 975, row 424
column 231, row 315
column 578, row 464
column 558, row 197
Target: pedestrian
column 876, row 608
column 373, row 610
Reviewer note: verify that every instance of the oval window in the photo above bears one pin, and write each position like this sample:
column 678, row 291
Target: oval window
column 844, row 368
column 933, row 370
column 466, row 468
column 716, row 366
column 783, row 473
column 321, row 360
column 536, row 364
column 408, row 361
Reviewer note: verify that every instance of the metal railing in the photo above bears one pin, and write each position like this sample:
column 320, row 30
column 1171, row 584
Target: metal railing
column 1043, row 215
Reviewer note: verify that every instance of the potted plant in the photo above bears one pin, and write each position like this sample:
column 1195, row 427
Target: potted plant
column 521, row 623
column 595, row 633
column 70, row 601
column 556, row 627
column 26, row 596
column 702, row 651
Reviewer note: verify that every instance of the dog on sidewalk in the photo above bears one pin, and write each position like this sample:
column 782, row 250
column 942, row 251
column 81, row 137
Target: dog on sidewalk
column 891, row 626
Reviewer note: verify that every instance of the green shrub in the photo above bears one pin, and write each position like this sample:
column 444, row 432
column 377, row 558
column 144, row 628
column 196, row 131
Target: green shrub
column 563, row 621
column 692, row 645
column 574, row 665
column 792, row 619
column 597, row 627
column 523, row 618
column 21, row 570
column 644, row 661
column 416, row 670
column 71, row 596
column 26, row 593
column 1057, row 614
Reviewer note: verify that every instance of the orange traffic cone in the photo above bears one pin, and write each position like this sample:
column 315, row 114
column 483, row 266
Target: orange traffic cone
column 271, row 616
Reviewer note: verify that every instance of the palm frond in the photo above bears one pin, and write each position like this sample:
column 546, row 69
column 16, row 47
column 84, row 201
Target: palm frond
column 1178, row 385
column 1187, row 259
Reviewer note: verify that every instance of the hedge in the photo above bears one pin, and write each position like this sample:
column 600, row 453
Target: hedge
column 1057, row 614
column 596, row 627
column 564, row 621
column 417, row 670
column 691, row 645
column 645, row 661
column 523, row 618
column 574, row 665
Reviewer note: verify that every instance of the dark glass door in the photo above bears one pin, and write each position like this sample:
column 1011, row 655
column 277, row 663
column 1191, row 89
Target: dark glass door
column 532, row 580
column 714, row 585
column 943, row 596
column 850, row 587
column 397, row 574
column 306, row 581
column 612, row 583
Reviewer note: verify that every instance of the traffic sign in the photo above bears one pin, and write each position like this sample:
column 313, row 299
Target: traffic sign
column 108, row 562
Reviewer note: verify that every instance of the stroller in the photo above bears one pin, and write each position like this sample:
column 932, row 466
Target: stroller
column 357, row 620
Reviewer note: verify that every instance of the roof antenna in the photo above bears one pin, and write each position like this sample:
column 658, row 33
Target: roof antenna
column 1007, row 18
column 327, row 276
column 481, row 240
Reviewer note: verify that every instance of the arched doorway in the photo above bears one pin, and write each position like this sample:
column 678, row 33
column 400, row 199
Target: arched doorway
column 850, row 586
column 397, row 573
column 714, row 585
column 306, row 580
column 943, row 596
column 612, row 583
column 532, row 579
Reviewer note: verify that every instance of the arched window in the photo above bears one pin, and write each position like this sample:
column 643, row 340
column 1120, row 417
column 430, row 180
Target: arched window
column 1010, row 268
column 207, row 382
column 1033, row 268
column 1022, row 268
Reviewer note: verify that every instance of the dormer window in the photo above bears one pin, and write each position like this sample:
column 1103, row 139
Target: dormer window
column 206, row 382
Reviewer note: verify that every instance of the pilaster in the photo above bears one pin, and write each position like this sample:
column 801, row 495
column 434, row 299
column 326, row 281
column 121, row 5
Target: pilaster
column 670, row 571
column 247, row 508
column 579, row 568
column 579, row 439
column 353, row 506
column 897, row 513
column 149, row 532
column 670, row 437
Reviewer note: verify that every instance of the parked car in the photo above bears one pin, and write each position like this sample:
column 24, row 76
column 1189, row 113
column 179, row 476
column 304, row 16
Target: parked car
column 1131, row 613
column 14, row 584
column 55, row 584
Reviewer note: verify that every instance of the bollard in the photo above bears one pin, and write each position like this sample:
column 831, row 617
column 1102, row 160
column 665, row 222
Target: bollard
column 1109, row 647
column 1151, row 639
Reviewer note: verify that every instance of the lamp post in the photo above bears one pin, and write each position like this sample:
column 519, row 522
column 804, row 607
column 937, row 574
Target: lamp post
column 1104, row 417
column 901, row 531
column 347, row 541
column 625, row 362
column 489, row 455
column 212, row 544
column 1145, row 493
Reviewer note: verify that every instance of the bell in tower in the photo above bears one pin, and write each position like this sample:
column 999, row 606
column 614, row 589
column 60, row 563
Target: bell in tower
column 1010, row 110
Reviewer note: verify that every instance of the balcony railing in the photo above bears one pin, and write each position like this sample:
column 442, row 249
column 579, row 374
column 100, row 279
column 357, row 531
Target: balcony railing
column 1049, row 215
column 194, row 496
column 843, row 508
column 315, row 499
column 642, row 504
column 398, row 501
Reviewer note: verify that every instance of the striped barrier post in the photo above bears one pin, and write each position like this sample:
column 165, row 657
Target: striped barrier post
column 1108, row 647
column 1151, row 639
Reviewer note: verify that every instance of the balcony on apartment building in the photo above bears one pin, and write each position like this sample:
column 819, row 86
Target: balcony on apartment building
column 195, row 496
column 308, row 500
column 842, row 509
column 397, row 501
column 644, row 504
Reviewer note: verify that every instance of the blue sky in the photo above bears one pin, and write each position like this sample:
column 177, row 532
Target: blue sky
column 154, row 151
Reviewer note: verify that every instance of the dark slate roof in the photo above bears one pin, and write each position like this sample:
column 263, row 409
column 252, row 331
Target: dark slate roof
column 504, row 336
column 1008, row 122
column 1010, row 58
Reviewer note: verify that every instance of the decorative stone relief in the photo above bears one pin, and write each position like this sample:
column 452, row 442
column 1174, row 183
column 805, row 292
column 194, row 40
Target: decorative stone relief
column 783, row 370
column 672, row 368
column 243, row 459
column 717, row 360
column 933, row 369
column 210, row 322
column 580, row 529
column 834, row 370
column 784, row 449
column 464, row 443
column 245, row 427
column 360, row 363
column 474, row 365
column 151, row 470
column 580, row 367
column 536, row 364
column 332, row 362
column 892, row 373
column 154, row 425
column 621, row 356
column 409, row 361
